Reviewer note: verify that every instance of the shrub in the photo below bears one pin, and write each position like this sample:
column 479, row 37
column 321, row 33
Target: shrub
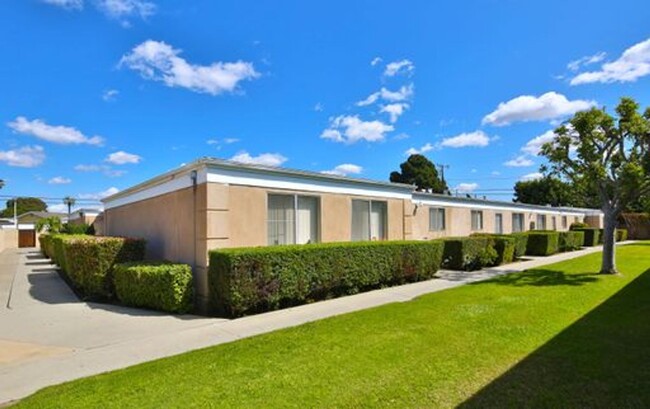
column 542, row 243
column 521, row 242
column 89, row 261
column 74, row 228
column 158, row 285
column 468, row 253
column 578, row 226
column 571, row 240
column 621, row 234
column 247, row 280
column 45, row 241
column 601, row 236
column 592, row 236
column 503, row 245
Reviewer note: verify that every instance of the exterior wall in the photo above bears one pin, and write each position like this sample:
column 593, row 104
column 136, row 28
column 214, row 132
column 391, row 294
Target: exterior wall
column 597, row 221
column 9, row 239
column 173, row 225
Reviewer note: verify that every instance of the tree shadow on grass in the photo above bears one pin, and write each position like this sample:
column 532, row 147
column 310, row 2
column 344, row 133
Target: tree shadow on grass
column 544, row 278
column 600, row 361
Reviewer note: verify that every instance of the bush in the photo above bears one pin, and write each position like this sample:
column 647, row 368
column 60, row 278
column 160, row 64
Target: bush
column 542, row 243
column 601, row 236
column 571, row 240
column 248, row 280
column 592, row 236
column 621, row 234
column 468, row 253
column 578, row 226
column 521, row 243
column 158, row 285
column 89, row 261
column 503, row 245
column 45, row 241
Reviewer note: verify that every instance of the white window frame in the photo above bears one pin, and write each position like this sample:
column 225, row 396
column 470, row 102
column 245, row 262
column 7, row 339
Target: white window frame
column 565, row 222
column 522, row 225
column 436, row 211
column 542, row 225
column 471, row 216
column 498, row 226
column 296, row 226
column 385, row 221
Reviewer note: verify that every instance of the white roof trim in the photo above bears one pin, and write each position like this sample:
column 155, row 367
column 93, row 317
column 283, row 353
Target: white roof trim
column 444, row 202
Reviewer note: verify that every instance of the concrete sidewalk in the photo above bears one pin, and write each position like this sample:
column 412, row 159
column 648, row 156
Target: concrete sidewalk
column 48, row 336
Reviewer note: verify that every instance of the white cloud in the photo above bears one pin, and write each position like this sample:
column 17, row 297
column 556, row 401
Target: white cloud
column 495, row 173
column 318, row 107
column 59, row 180
column 122, row 158
column 64, row 135
column 466, row 187
column 424, row 149
column 120, row 9
column 106, row 170
column 57, row 208
column 532, row 176
column 110, row 95
column 399, row 67
column 394, row 110
column 533, row 146
column 88, row 168
column 99, row 195
column 66, row 4
column 158, row 61
column 344, row 169
column 531, row 108
column 468, row 139
column 265, row 159
column 402, row 94
column 24, row 157
column 633, row 64
column 588, row 60
column 224, row 141
column 376, row 61
column 351, row 129
column 520, row 161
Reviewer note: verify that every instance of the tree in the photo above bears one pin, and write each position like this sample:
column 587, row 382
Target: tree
column 69, row 201
column 23, row 205
column 52, row 224
column 546, row 191
column 421, row 172
column 608, row 155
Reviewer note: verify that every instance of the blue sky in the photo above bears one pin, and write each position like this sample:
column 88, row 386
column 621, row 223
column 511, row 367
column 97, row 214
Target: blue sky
column 98, row 95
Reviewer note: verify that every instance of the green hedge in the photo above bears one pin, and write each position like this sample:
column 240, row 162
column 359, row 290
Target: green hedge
column 621, row 234
column 542, row 243
column 521, row 243
column 592, row 236
column 89, row 261
column 45, row 241
column 504, row 245
column 248, row 280
column 571, row 240
column 468, row 253
column 601, row 236
column 158, row 285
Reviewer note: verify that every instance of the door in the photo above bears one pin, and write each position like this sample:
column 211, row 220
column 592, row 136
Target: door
column 26, row 238
column 498, row 223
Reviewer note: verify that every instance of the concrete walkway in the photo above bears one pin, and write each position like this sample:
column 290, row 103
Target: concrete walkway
column 48, row 336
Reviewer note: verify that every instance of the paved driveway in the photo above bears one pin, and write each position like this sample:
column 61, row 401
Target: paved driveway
column 49, row 336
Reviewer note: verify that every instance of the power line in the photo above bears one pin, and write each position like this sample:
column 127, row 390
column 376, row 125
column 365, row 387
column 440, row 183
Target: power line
column 50, row 199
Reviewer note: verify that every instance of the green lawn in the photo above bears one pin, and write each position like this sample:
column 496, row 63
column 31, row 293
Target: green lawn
column 556, row 337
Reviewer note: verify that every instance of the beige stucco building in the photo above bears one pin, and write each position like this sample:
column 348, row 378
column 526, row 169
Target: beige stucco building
column 211, row 204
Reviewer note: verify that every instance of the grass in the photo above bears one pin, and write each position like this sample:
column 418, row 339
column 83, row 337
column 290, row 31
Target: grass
column 556, row 337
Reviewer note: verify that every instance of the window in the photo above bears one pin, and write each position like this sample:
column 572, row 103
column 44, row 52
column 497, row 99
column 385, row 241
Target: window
column 554, row 222
column 517, row 222
column 292, row 219
column 368, row 220
column 498, row 223
column 436, row 219
column 477, row 220
column 564, row 222
column 541, row 222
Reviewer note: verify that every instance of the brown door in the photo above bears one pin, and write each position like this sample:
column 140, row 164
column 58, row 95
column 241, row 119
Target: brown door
column 26, row 238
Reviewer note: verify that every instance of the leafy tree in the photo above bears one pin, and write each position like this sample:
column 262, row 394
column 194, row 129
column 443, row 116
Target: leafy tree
column 52, row 224
column 609, row 155
column 23, row 205
column 421, row 172
column 546, row 191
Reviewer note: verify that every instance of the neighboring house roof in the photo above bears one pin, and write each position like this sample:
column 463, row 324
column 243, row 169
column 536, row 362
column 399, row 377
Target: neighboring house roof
column 226, row 171
column 42, row 215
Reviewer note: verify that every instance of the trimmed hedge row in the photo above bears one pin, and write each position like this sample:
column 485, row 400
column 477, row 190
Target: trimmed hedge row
column 592, row 236
column 503, row 245
column 521, row 244
column 249, row 280
column 543, row 243
column 159, row 285
column 621, row 234
column 571, row 240
column 468, row 253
